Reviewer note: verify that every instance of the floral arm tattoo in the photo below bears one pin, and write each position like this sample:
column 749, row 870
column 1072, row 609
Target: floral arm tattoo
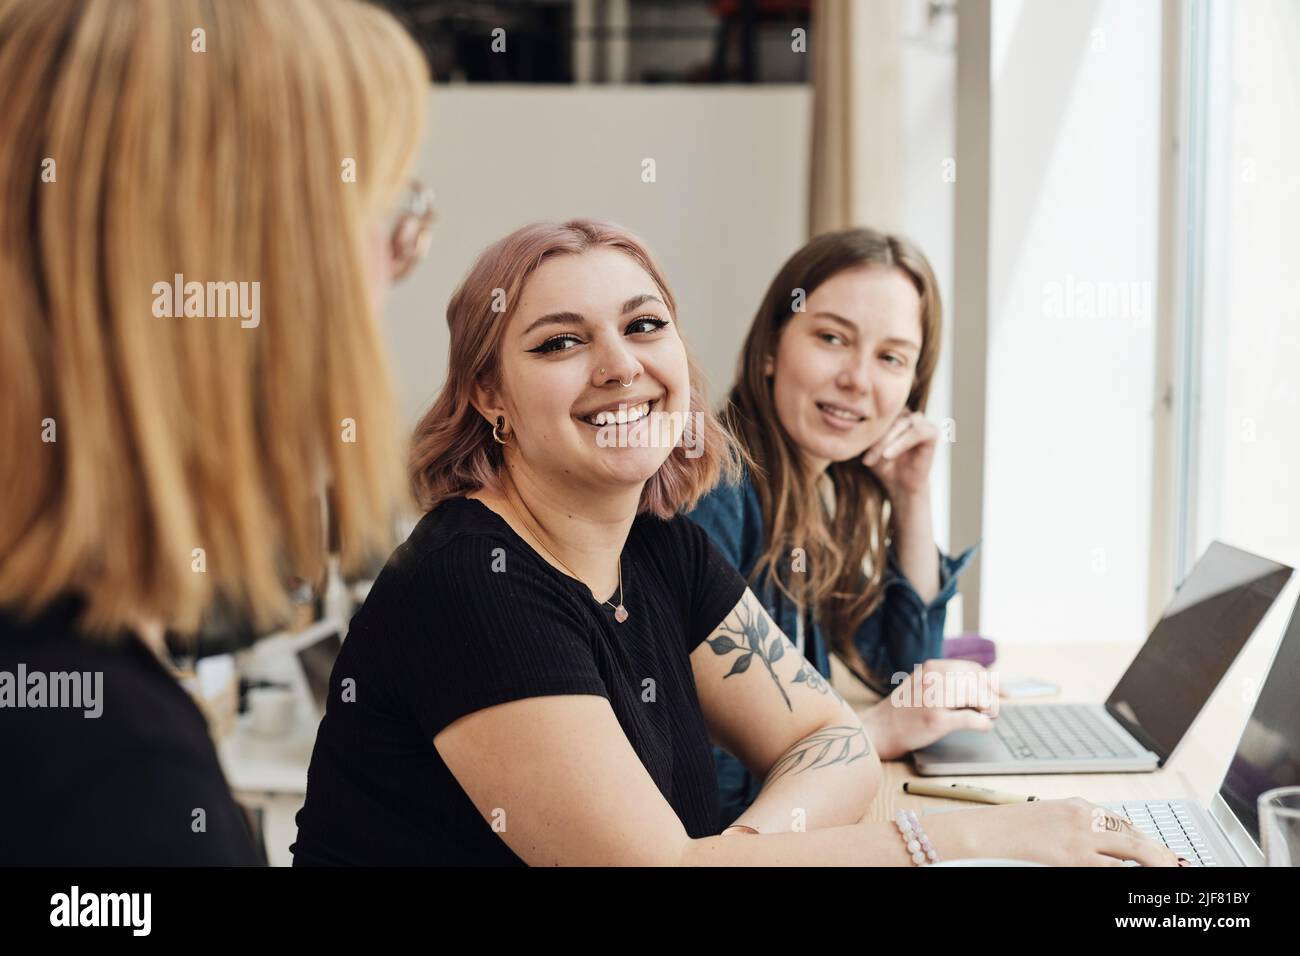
column 831, row 745
column 748, row 635
column 808, row 675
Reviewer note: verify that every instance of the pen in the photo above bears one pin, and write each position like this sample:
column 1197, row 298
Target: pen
column 963, row 791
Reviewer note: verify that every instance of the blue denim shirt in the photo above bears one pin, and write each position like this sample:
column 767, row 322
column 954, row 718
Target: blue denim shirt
column 902, row 632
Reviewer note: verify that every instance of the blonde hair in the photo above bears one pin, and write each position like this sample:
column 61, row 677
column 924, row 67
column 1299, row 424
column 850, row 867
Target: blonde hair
column 453, row 452
column 175, row 434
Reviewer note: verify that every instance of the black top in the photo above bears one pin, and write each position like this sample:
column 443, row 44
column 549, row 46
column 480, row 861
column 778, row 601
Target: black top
column 465, row 616
column 117, row 789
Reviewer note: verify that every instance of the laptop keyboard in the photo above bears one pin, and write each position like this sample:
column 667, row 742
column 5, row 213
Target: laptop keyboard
column 1174, row 826
column 1057, row 732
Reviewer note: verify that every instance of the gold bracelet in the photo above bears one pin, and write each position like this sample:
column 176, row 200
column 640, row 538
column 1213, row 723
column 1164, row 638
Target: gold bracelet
column 741, row 827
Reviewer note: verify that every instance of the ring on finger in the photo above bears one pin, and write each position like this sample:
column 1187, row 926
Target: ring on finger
column 1115, row 824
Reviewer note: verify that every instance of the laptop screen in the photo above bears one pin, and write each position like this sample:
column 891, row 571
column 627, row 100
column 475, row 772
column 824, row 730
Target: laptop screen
column 1268, row 754
column 317, row 661
column 1213, row 613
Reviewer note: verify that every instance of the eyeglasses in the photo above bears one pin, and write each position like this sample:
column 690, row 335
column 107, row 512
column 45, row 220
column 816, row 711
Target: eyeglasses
column 412, row 229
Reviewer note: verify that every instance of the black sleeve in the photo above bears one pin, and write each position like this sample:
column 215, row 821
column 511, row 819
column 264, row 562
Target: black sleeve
column 483, row 626
column 122, row 789
column 145, row 810
column 714, row 585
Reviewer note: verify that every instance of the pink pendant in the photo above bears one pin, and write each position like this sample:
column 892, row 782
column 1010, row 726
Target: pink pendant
column 620, row 614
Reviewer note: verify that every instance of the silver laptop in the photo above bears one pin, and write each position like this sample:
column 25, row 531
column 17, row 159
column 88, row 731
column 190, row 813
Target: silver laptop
column 1268, row 755
column 1213, row 613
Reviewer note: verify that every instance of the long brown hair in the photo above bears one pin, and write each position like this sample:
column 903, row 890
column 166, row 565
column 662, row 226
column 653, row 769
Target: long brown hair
column 845, row 555
column 138, row 449
column 453, row 452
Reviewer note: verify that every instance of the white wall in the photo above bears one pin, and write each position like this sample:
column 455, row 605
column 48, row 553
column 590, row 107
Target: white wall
column 1075, row 127
column 928, row 72
column 728, row 207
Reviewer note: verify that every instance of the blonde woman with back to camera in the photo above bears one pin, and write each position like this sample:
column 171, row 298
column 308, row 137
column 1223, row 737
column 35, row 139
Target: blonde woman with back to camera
column 135, row 437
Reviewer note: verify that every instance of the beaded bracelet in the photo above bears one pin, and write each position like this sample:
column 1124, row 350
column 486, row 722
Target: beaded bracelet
column 918, row 844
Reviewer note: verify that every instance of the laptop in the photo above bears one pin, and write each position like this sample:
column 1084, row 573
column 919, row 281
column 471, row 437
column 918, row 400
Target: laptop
column 1213, row 613
column 317, row 662
column 1268, row 755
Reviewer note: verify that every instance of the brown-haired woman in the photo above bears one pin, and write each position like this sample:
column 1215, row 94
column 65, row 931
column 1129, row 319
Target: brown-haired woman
column 831, row 524
column 159, row 454
column 570, row 646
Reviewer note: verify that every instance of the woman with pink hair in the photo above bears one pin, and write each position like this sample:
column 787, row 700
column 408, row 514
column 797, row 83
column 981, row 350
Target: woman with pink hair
column 571, row 646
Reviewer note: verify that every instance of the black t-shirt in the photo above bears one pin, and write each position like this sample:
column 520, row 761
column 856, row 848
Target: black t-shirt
column 465, row 616
column 117, row 789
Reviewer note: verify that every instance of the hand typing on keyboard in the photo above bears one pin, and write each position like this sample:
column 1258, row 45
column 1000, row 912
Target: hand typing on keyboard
column 1070, row 832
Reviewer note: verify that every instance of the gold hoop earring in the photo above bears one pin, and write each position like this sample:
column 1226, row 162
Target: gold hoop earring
column 496, row 428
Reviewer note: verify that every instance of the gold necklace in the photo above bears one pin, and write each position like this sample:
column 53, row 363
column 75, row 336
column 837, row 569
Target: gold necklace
column 620, row 611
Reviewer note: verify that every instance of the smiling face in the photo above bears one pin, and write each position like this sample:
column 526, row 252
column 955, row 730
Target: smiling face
column 846, row 364
column 570, row 422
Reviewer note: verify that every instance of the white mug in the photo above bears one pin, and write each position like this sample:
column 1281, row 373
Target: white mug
column 272, row 710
